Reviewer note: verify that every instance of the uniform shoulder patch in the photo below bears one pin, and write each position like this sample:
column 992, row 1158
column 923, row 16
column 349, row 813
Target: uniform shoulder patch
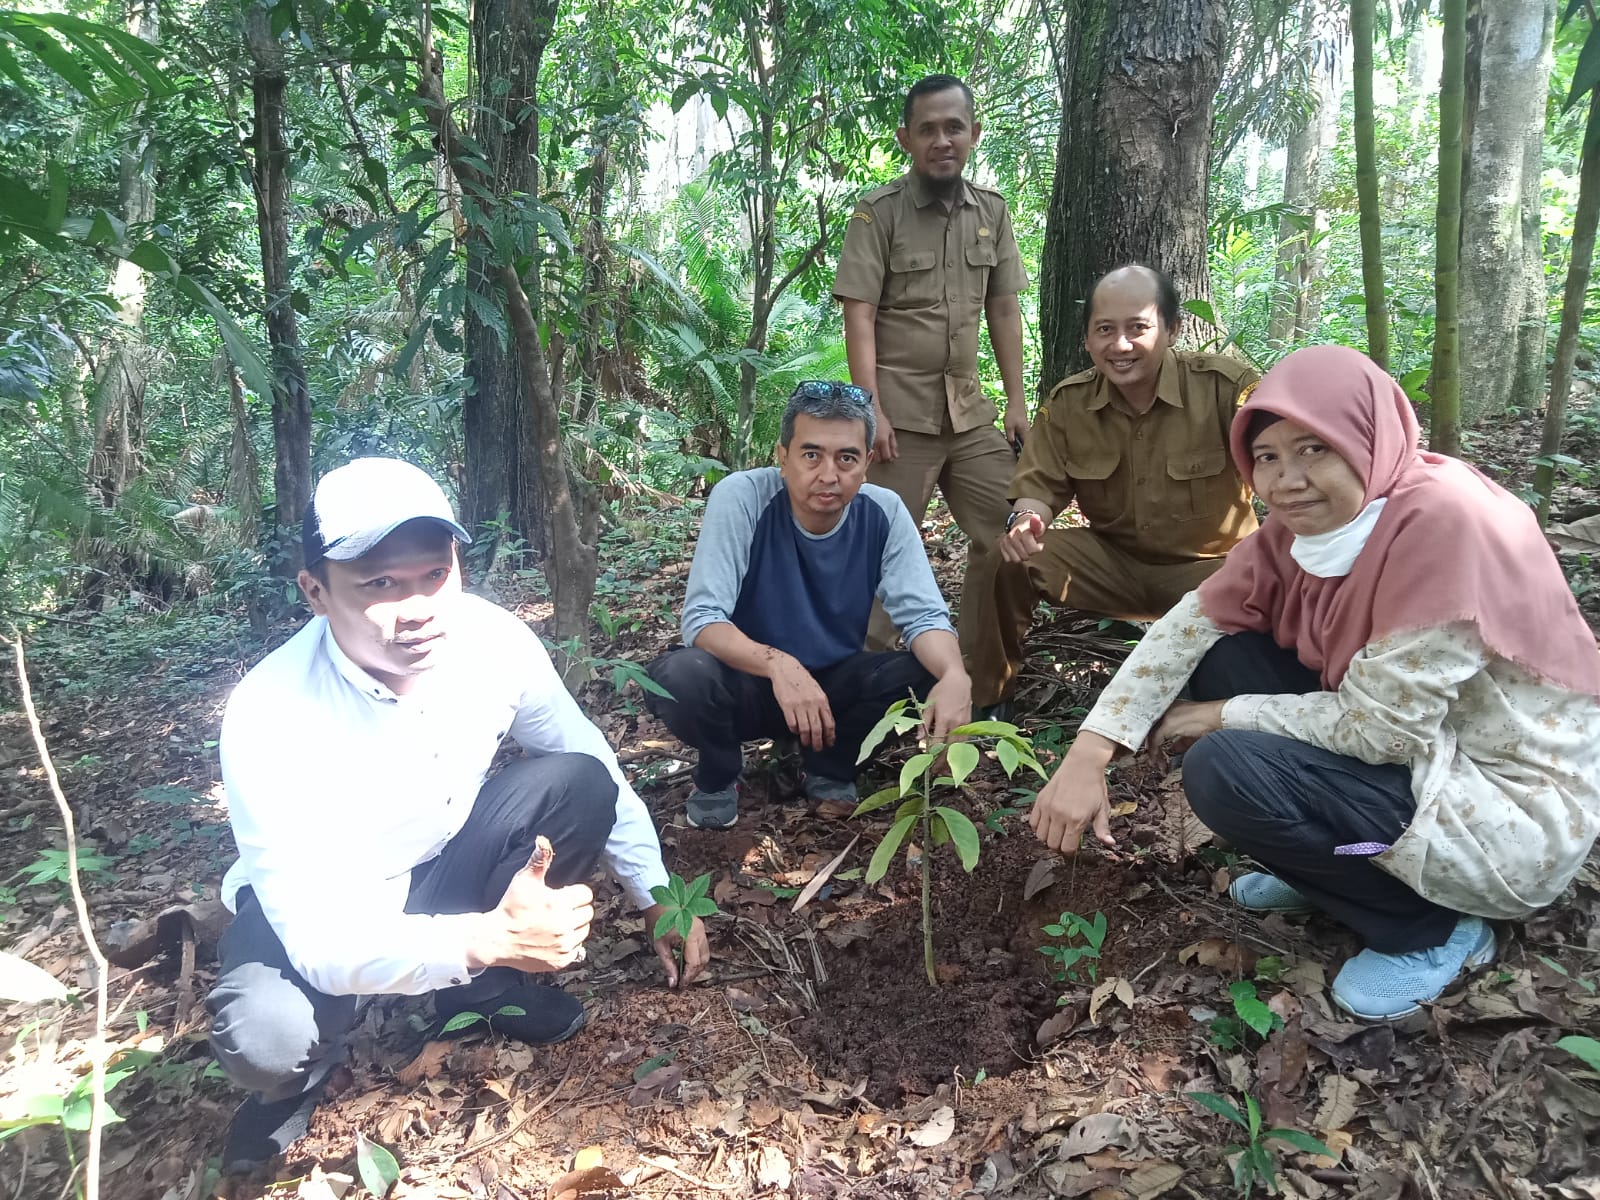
column 861, row 214
column 1071, row 384
column 1222, row 364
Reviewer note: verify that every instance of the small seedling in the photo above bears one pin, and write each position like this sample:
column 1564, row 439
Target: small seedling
column 51, row 867
column 1250, row 1014
column 1255, row 1161
column 1080, row 962
column 683, row 902
column 940, row 824
column 464, row 1020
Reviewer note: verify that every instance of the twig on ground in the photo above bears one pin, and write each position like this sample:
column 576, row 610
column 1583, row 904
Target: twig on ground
column 26, row 807
column 102, row 969
column 662, row 1164
column 505, row 1134
column 1489, row 1176
column 1471, row 1131
column 1422, row 1169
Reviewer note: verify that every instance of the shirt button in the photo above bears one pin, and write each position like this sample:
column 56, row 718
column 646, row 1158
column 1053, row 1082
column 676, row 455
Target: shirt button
column 949, row 262
column 456, row 979
column 1139, row 479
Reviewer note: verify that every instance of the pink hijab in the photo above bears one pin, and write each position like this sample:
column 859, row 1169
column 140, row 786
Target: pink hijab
column 1450, row 545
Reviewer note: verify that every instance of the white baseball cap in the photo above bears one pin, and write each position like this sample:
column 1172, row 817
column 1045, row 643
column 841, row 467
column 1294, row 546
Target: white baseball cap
column 359, row 504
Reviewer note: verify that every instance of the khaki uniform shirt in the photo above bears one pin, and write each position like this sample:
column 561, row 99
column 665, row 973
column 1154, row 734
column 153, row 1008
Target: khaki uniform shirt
column 1160, row 485
column 929, row 272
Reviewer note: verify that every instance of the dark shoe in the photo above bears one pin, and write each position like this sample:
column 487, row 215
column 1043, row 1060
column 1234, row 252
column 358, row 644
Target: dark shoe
column 714, row 810
column 536, row 1013
column 819, row 788
column 262, row 1130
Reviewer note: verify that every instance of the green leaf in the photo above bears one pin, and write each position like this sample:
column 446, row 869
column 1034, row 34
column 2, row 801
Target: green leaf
column 698, row 888
column 986, row 729
column 1587, row 73
column 1253, row 1111
column 1219, row 1106
column 1585, row 1048
column 884, row 854
column 704, row 907
column 378, row 1169
column 938, row 831
column 1008, row 756
column 1300, row 1141
column 880, row 730
column 963, row 760
column 1250, row 1008
column 912, row 771
column 876, row 801
column 663, row 923
column 461, row 1020
column 963, row 833
column 1201, row 309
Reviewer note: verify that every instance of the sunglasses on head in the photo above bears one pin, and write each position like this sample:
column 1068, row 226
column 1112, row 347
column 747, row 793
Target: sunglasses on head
column 827, row 389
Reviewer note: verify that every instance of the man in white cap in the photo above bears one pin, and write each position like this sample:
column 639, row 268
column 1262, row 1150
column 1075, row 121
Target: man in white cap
column 373, row 856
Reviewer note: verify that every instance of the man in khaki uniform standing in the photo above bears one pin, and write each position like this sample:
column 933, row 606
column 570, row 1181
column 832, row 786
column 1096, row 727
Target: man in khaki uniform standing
column 1140, row 440
column 923, row 257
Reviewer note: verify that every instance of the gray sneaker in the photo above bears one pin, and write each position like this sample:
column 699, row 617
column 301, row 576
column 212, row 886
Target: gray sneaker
column 714, row 810
column 819, row 788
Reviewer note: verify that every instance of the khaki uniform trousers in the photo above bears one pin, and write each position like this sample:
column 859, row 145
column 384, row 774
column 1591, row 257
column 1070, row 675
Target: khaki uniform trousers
column 973, row 470
column 1077, row 568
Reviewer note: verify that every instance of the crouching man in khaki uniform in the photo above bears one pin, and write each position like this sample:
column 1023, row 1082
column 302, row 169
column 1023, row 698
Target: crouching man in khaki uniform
column 1140, row 441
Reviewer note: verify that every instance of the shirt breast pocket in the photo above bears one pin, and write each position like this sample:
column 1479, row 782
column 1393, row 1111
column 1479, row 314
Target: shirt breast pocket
column 912, row 278
column 1091, row 481
column 1201, row 484
column 981, row 260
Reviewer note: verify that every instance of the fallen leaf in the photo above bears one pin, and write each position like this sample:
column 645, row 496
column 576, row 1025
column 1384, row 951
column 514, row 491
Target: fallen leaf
column 772, row 1169
column 1153, row 1179
column 742, row 1001
column 591, row 1181
column 822, row 876
column 938, row 1129
column 22, row 981
column 655, row 1083
column 589, row 1156
column 1040, row 876
column 1096, row 1132
column 835, row 810
column 1337, row 1140
column 1338, row 1106
column 1219, row 952
column 1582, row 536
column 1116, row 987
column 1058, row 1026
column 762, row 1113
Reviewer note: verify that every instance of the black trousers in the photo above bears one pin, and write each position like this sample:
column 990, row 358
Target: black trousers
column 276, row 1035
column 714, row 708
column 1288, row 804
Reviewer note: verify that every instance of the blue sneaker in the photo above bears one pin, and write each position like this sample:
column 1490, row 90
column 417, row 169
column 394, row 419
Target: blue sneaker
column 1260, row 892
column 1385, row 987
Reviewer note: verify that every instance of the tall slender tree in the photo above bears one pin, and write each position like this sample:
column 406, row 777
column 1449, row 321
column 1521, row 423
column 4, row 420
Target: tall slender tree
column 1503, row 297
column 1373, row 287
column 291, row 396
column 1445, row 431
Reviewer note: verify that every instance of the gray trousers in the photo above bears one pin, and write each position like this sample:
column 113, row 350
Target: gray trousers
column 276, row 1035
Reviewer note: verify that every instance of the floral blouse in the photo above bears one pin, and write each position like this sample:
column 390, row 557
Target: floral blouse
column 1505, row 768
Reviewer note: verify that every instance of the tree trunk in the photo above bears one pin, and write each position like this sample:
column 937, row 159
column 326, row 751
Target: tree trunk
column 244, row 471
column 121, row 375
column 291, row 398
column 1572, row 302
column 1370, row 219
column 1133, row 156
column 1500, row 209
column 1445, row 431
column 1290, row 318
column 509, row 38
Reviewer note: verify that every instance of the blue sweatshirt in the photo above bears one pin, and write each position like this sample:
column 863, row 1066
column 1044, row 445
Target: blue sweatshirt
column 808, row 594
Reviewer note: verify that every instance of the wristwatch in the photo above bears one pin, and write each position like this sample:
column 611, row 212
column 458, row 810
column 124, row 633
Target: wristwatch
column 1011, row 519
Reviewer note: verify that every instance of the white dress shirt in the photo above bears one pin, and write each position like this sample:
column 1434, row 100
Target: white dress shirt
column 337, row 788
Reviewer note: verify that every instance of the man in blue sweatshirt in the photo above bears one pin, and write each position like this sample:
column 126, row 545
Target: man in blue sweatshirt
column 789, row 561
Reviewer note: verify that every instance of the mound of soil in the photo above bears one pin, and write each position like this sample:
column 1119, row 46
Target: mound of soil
column 880, row 1018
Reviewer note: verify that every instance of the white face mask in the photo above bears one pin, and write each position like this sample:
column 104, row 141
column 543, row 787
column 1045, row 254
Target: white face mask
column 1331, row 555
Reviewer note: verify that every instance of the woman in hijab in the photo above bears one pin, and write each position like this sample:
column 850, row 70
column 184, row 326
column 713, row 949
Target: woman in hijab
column 1396, row 700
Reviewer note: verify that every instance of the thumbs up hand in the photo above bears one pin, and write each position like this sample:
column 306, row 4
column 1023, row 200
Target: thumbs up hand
column 535, row 927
